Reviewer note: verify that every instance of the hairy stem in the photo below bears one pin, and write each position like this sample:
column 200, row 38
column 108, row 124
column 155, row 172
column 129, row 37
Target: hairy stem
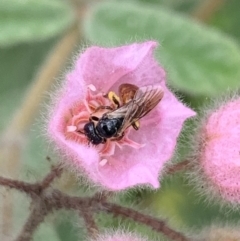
column 54, row 200
column 90, row 224
column 25, row 187
column 181, row 166
column 54, row 173
column 154, row 223
column 32, row 189
column 36, row 217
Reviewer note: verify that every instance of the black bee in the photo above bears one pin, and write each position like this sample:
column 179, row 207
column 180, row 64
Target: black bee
column 136, row 103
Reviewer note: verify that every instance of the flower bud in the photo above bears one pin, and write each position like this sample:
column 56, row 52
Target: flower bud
column 217, row 153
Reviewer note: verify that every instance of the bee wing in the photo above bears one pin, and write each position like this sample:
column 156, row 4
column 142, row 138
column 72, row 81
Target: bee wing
column 144, row 100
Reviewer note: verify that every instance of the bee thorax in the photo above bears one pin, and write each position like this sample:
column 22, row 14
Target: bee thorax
column 108, row 128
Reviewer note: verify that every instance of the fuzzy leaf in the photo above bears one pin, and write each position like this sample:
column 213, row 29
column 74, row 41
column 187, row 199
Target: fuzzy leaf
column 46, row 231
column 178, row 200
column 198, row 60
column 228, row 18
column 183, row 5
column 18, row 66
column 30, row 20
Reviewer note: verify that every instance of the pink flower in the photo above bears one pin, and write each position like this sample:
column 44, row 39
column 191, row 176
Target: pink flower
column 140, row 155
column 218, row 153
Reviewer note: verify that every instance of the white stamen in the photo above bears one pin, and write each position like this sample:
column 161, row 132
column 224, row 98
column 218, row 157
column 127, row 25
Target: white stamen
column 103, row 162
column 71, row 128
column 92, row 87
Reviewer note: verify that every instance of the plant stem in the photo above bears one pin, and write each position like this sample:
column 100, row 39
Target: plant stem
column 154, row 223
column 181, row 166
column 45, row 201
column 55, row 172
column 90, row 224
column 25, row 187
column 36, row 217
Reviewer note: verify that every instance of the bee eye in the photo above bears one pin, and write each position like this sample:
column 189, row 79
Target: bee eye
column 91, row 134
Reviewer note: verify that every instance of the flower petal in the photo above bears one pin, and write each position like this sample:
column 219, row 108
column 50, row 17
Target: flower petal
column 132, row 164
column 104, row 67
column 159, row 134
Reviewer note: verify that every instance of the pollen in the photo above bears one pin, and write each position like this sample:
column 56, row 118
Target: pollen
column 92, row 87
column 71, row 128
column 113, row 97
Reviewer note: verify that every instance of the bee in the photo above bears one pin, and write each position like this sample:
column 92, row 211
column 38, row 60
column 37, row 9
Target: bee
column 133, row 104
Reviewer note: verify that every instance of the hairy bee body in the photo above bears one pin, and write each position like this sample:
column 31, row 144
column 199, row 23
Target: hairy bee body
column 92, row 134
column 105, row 128
column 136, row 103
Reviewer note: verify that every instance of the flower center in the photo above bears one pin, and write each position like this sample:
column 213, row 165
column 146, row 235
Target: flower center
column 86, row 123
column 82, row 113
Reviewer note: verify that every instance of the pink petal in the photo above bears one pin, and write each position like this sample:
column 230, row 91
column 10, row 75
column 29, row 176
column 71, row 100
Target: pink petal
column 133, row 167
column 104, row 67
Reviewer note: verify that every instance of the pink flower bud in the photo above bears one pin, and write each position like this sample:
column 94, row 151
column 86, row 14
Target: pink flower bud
column 218, row 153
column 137, row 157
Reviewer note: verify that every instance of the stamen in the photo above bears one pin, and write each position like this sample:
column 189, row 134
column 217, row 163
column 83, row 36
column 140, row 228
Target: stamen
column 92, row 87
column 103, row 162
column 71, row 128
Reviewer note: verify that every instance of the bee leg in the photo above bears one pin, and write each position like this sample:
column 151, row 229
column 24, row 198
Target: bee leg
column 103, row 107
column 113, row 97
column 136, row 125
column 118, row 138
column 81, row 132
column 104, row 140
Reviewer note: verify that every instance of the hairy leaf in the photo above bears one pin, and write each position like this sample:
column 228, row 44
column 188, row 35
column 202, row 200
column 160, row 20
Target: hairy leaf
column 198, row 60
column 30, row 20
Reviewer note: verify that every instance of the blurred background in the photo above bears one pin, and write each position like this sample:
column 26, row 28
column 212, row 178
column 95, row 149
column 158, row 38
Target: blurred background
column 199, row 48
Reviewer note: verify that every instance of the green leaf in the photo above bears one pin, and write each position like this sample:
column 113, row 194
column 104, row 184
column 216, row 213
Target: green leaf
column 228, row 18
column 18, row 66
column 46, row 231
column 8, row 103
column 31, row 20
column 20, row 63
column 180, row 204
column 66, row 226
column 183, row 5
column 199, row 60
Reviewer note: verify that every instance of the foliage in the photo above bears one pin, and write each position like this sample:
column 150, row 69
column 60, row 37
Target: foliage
column 202, row 62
